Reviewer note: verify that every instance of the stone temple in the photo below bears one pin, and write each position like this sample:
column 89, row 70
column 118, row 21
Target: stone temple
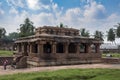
column 56, row 46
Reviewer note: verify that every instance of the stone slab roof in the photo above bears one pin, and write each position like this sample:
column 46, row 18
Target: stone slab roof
column 57, row 38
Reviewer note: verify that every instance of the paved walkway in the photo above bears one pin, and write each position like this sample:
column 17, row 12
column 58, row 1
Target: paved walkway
column 13, row 71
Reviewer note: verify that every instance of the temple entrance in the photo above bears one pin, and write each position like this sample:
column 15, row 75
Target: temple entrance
column 83, row 48
column 35, row 48
column 93, row 48
column 47, row 47
column 72, row 48
column 59, row 48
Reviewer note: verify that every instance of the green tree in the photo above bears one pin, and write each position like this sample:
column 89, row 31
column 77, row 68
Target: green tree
column 2, row 32
column 27, row 28
column 13, row 36
column 84, row 32
column 111, row 35
column 98, row 35
column 118, row 30
column 61, row 25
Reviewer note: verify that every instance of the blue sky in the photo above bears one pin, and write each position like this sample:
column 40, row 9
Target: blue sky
column 90, row 14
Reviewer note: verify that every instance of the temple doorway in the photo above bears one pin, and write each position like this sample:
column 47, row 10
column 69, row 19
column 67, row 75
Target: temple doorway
column 47, row 47
column 60, row 48
column 72, row 48
column 83, row 48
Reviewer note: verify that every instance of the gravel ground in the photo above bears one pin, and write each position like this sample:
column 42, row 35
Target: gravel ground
column 9, row 70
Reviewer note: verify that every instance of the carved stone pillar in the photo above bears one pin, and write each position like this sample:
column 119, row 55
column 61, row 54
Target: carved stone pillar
column 18, row 47
column 88, row 48
column 97, row 48
column 78, row 48
column 23, row 48
column 54, row 48
column 40, row 48
column 66, row 48
column 30, row 47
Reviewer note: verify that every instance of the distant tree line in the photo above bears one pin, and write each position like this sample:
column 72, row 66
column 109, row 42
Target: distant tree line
column 28, row 29
column 2, row 32
column 114, row 33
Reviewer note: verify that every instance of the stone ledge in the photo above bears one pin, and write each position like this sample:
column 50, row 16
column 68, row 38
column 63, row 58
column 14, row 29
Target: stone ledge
column 53, row 63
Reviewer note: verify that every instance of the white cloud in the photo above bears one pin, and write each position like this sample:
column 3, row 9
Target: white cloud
column 73, row 12
column 36, row 4
column 12, row 23
column 13, row 11
column 1, row 12
column 43, row 19
column 90, row 1
column 91, row 16
column 33, row 4
column 94, row 10
column 16, row 3
column 71, row 17
column 21, row 17
column 113, row 16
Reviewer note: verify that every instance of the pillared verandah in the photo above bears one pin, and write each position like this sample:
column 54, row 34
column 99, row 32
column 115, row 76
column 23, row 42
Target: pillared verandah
column 56, row 46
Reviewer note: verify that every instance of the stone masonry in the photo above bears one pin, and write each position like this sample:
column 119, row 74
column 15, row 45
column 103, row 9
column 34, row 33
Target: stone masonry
column 57, row 46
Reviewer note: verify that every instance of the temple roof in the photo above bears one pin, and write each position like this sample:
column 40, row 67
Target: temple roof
column 57, row 31
column 57, row 34
column 57, row 38
column 52, row 27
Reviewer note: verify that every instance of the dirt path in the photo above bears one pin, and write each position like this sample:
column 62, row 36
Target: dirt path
column 13, row 71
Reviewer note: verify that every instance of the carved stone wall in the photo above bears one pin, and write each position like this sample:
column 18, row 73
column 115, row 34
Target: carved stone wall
column 57, row 46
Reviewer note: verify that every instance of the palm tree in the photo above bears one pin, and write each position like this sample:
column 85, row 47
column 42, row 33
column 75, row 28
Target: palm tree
column 111, row 35
column 2, row 32
column 98, row 35
column 84, row 33
column 61, row 25
column 118, row 30
column 27, row 28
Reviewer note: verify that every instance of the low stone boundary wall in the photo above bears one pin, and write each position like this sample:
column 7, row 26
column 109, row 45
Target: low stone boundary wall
column 2, row 59
column 111, row 60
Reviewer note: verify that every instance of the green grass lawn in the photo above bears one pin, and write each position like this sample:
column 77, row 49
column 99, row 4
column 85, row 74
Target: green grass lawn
column 67, row 74
column 115, row 55
column 6, row 53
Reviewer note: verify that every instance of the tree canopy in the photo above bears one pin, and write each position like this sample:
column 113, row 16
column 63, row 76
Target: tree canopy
column 98, row 35
column 111, row 35
column 13, row 35
column 27, row 28
column 84, row 32
column 118, row 30
column 61, row 25
column 2, row 32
